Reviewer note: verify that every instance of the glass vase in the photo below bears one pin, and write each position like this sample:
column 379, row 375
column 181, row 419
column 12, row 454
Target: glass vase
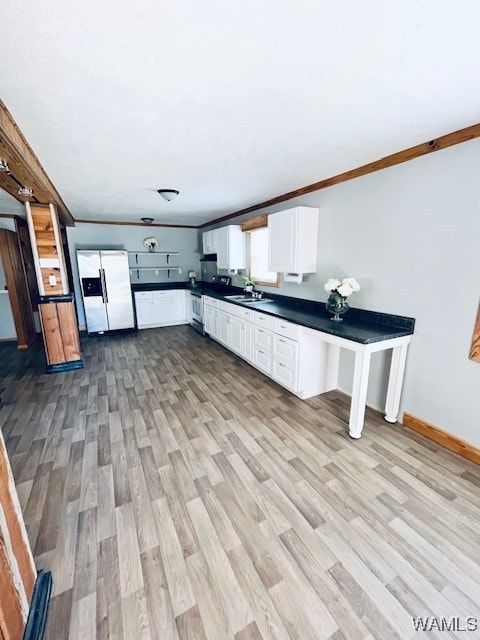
column 337, row 305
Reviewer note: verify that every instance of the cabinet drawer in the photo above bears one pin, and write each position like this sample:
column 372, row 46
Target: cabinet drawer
column 228, row 307
column 247, row 314
column 143, row 295
column 285, row 349
column 285, row 373
column 211, row 302
column 158, row 295
column 263, row 360
column 263, row 338
column 287, row 329
column 262, row 320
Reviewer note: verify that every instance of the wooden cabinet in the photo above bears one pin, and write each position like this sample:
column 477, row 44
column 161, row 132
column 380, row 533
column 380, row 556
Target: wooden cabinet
column 292, row 240
column 60, row 333
column 161, row 308
column 231, row 248
column 47, row 249
column 210, row 242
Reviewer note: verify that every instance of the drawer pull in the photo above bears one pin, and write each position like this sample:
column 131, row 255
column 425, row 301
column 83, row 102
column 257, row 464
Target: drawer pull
column 280, row 340
column 280, row 364
column 283, row 326
column 261, row 352
column 261, row 331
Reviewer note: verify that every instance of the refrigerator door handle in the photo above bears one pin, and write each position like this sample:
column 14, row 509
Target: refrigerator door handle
column 104, row 286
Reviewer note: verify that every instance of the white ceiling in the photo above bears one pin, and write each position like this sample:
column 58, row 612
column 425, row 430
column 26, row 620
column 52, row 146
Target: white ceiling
column 229, row 102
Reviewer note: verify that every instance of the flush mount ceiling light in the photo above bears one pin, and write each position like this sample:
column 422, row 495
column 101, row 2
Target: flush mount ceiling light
column 147, row 220
column 168, row 194
column 26, row 192
column 4, row 166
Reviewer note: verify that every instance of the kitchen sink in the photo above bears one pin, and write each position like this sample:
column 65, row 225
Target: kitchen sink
column 257, row 300
column 247, row 299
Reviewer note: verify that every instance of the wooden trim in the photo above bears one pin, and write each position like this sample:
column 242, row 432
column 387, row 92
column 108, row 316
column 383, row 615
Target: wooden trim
column 11, row 257
column 443, row 142
column 444, row 438
column 475, row 348
column 25, row 167
column 138, row 224
column 269, row 284
column 257, row 222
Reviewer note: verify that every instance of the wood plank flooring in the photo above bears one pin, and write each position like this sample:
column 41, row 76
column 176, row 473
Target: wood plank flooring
column 178, row 494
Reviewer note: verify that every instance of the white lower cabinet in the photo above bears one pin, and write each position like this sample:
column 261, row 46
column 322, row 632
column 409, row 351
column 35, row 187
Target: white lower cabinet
column 161, row 308
column 263, row 360
column 223, row 329
column 294, row 356
column 236, row 334
column 249, row 341
column 285, row 374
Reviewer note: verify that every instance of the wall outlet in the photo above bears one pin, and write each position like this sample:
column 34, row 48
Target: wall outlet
column 52, row 281
column 156, row 272
column 180, row 271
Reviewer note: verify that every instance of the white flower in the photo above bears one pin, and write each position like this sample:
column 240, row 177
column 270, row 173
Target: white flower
column 352, row 283
column 345, row 290
column 332, row 284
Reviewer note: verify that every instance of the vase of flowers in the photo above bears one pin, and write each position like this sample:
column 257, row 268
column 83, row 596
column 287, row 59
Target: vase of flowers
column 339, row 292
column 150, row 243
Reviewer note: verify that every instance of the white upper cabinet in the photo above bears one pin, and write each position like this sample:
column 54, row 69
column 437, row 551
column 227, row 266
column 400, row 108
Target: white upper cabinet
column 209, row 240
column 292, row 240
column 231, row 247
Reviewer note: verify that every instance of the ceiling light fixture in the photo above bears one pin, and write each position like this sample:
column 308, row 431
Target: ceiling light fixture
column 147, row 220
column 4, row 166
column 26, row 192
column 168, row 194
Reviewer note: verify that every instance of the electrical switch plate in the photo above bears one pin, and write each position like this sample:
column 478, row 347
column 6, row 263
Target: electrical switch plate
column 52, row 281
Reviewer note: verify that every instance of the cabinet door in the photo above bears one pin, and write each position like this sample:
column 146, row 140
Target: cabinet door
column 263, row 360
column 282, row 241
column 205, row 242
column 145, row 313
column 236, row 334
column 164, row 310
column 180, row 306
column 209, row 320
column 224, row 327
column 263, row 338
column 248, row 341
column 285, row 373
column 223, row 255
column 213, row 241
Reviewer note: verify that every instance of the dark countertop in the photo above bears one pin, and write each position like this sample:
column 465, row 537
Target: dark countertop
column 359, row 325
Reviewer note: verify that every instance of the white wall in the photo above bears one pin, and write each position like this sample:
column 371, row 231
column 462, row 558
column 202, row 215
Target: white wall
column 130, row 238
column 410, row 235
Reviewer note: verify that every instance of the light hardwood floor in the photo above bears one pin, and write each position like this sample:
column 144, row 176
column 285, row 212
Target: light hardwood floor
column 176, row 493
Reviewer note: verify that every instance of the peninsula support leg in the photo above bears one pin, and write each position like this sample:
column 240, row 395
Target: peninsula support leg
column 395, row 382
column 359, row 394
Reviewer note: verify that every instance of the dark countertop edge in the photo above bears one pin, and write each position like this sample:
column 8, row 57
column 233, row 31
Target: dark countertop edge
column 61, row 297
column 384, row 326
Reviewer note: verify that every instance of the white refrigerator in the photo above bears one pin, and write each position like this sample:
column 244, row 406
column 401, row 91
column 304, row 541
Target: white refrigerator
column 106, row 290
